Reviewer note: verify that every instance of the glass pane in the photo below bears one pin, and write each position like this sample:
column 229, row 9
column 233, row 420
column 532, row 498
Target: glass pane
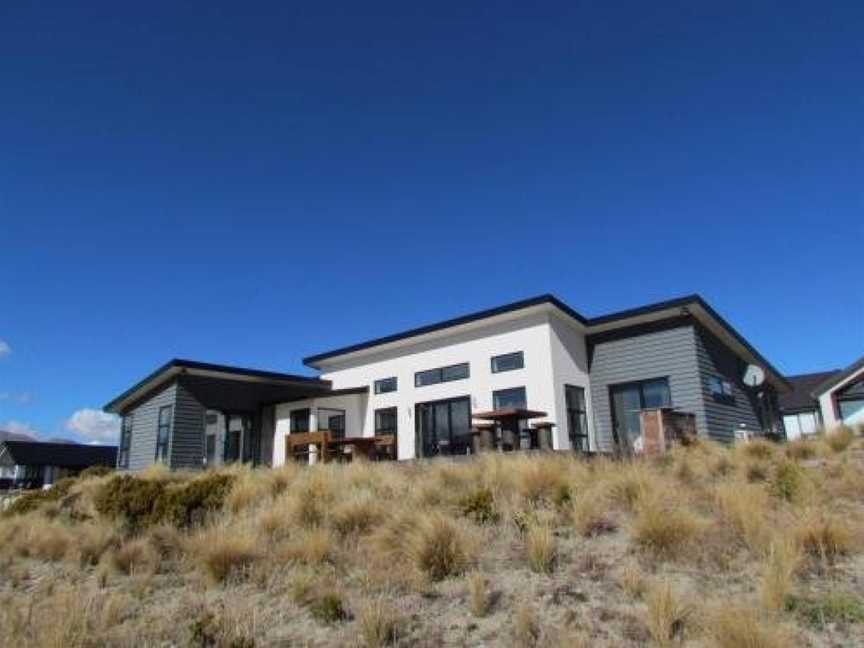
column 852, row 411
column 442, row 426
column 506, row 398
column 385, row 385
column 508, row 362
column 793, row 429
column 456, row 372
column 626, row 403
column 460, row 416
column 575, row 397
column 165, row 416
column 807, row 423
column 656, row 393
column 429, row 377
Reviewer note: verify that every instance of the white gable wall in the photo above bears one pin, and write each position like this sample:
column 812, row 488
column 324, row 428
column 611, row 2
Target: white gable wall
column 532, row 334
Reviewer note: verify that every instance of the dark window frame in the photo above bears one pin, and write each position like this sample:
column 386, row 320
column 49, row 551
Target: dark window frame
column 163, row 445
column 514, row 354
column 580, row 414
column 380, row 384
column 634, row 383
column 294, row 415
column 521, row 388
column 338, row 433
column 125, row 441
column 389, row 411
column 722, row 390
column 441, row 373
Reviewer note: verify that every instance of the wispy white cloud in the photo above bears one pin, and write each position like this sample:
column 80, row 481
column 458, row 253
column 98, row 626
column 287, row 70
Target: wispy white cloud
column 18, row 397
column 94, row 425
column 5, row 349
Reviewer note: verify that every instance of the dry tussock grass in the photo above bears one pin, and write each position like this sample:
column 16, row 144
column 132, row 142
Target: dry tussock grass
column 363, row 540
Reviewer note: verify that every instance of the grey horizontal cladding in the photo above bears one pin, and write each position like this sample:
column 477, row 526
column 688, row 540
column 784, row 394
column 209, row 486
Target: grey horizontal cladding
column 723, row 418
column 187, row 440
column 142, row 450
column 667, row 353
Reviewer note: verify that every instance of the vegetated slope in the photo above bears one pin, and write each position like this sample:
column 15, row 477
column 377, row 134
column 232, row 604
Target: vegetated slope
column 755, row 546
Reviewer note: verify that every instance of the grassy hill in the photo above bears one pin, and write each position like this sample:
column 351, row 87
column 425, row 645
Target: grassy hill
column 755, row 546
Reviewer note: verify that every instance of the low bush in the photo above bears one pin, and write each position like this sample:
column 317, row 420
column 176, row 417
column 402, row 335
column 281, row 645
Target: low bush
column 95, row 471
column 328, row 606
column 787, row 481
column 479, row 506
column 226, row 556
column 801, row 449
column 663, row 530
column 822, row 536
column 839, row 438
column 590, row 515
column 743, row 627
column 667, row 614
column 34, row 499
column 143, row 502
column 378, row 624
column 778, row 572
column 439, row 547
column 134, row 556
column 758, row 449
column 479, row 598
column 540, row 548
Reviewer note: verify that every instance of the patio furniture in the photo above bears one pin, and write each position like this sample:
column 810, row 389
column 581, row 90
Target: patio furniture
column 543, row 432
column 303, row 446
column 483, row 437
column 385, row 447
column 348, row 448
column 507, row 420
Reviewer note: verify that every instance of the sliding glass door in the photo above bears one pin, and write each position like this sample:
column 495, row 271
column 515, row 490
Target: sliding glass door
column 443, row 427
column 631, row 398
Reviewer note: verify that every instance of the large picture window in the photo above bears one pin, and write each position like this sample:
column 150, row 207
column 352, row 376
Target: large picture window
column 507, row 398
column 442, row 374
column 163, row 433
column 125, row 441
column 386, row 421
column 508, row 362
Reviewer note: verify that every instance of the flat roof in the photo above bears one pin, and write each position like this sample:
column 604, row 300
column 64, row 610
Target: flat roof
column 692, row 304
column 178, row 366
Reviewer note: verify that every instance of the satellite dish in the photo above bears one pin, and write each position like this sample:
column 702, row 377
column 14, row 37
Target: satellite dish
column 754, row 376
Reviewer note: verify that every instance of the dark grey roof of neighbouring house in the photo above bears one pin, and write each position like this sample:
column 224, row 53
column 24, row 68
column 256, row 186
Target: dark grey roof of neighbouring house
column 801, row 397
column 838, row 377
column 64, row 455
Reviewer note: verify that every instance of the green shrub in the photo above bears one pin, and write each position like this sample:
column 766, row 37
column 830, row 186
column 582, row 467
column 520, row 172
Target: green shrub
column 33, row 500
column 189, row 504
column 839, row 438
column 479, row 505
column 827, row 608
column 328, row 607
column 144, row 502
column 788, row 481
column 131, row 499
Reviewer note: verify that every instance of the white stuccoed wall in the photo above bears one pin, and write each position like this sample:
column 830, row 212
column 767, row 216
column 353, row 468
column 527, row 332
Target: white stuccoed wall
column 554, row 355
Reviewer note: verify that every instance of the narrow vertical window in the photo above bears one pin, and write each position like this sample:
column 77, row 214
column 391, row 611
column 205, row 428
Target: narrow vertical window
column 577, row 417
column 125, row 441
column 163, row 433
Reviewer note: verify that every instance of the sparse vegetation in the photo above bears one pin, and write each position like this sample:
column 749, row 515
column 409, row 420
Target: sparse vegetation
column 528, row 550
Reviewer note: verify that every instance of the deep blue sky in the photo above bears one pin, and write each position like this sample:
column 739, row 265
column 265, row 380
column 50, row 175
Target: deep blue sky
column 250, row 183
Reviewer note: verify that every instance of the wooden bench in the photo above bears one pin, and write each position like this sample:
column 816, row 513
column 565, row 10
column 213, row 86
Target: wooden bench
column 298, row 446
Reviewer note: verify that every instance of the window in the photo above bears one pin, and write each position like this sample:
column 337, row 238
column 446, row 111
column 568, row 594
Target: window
column 508, row 362
column 385, row 421
column 299, row 420
column 442, row 374
column 386, row 385
column 505, row 398
column 721, row 389
column 332, row 420
column 577, row 418
column 628, row 399
column 163, row 433
column 125, row 442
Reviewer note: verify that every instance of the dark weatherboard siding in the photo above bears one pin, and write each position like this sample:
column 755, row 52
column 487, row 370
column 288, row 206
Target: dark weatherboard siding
column 723, row 417
column 142, row 451
column 187, row 444
column 628, row 356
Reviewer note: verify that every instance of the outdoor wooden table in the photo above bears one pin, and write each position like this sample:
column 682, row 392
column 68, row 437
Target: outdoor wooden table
column 358, row 446
column 544, row 434
column 508, row 419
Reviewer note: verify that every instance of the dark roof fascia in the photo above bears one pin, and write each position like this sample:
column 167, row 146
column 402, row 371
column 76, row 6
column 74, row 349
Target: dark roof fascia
column 180, row 363
column 311, row 361
column 838, row 378
column 684, row 302
column 57, row 454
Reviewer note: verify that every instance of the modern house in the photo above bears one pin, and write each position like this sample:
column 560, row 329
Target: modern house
column 590, row 377
column 841, row 396
column 799, row 408
column 33, row 464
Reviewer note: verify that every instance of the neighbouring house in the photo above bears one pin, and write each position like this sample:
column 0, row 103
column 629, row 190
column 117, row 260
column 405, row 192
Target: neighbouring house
column 841, row 396
column 799, row 408
column 34, row 464
column 591, row 378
